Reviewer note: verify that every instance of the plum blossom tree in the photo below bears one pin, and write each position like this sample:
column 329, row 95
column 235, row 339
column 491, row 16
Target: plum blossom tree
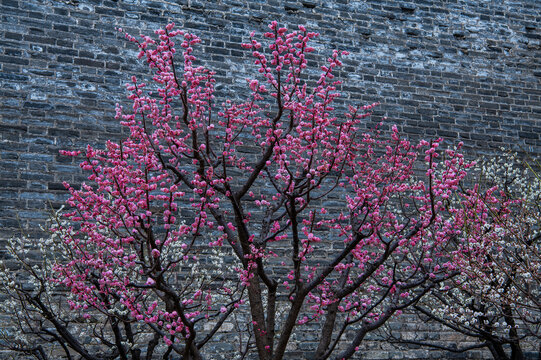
column 496, row 297
column 324, row 227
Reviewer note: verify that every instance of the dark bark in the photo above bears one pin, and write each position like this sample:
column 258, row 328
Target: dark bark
column 62, row 330
column 152, row 345
column 118, row 339
column 330, row 319
column 288, row 325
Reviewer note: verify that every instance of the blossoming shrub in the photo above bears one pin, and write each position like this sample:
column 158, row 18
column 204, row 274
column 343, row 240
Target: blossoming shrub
column 320, row 225
column 496, row 298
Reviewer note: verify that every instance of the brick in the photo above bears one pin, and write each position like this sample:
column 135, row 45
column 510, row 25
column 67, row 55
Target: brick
column 88, row 62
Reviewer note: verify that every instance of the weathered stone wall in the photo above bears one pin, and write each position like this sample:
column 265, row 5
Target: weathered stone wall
column 465, row 70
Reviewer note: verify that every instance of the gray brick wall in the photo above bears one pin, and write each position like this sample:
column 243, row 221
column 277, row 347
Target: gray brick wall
column 465, row 70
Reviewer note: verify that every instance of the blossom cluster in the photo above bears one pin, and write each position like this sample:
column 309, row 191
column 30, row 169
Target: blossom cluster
column 495, row 297
column 264, row 186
